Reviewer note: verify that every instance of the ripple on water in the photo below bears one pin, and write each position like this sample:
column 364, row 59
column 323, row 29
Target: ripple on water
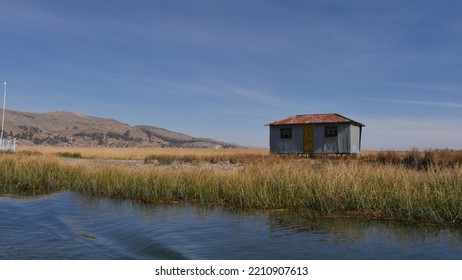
column 72, row 226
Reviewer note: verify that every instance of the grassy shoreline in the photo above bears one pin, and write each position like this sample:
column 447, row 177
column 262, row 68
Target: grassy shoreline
column 368, row 187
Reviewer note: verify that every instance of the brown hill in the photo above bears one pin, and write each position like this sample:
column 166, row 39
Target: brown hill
column 72, row 129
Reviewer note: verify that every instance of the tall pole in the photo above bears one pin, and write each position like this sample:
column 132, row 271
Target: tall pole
column 3, row 118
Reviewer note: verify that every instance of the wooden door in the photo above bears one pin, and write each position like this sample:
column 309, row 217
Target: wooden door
column 308, row 138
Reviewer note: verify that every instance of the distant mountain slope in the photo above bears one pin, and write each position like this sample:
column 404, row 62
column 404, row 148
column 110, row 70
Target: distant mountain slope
column 72, row 129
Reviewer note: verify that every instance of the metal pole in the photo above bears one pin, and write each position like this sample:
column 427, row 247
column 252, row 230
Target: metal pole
column 3, row 118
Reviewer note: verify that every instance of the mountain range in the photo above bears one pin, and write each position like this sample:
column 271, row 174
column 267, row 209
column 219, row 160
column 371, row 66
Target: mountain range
column 73, row 129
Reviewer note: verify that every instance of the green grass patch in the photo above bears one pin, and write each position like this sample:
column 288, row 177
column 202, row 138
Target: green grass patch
column 69, row 155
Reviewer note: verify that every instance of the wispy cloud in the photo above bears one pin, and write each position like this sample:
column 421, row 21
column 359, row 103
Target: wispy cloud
column 421, row 102
column 18, row 18
column 430, row 87
column 254, row 95
column 430, row 103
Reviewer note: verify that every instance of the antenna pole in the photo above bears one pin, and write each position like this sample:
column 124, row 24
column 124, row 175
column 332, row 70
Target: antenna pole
column 3, row 118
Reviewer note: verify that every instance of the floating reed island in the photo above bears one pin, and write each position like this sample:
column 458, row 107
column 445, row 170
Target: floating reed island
column 413, row 186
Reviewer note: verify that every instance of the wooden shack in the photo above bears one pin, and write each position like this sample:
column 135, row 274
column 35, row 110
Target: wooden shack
column 315, row 134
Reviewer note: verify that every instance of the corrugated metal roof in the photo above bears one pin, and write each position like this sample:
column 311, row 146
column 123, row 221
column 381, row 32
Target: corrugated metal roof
column 315, row 118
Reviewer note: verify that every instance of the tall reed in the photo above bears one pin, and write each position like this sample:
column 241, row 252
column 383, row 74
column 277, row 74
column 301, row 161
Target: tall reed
column 369, row 189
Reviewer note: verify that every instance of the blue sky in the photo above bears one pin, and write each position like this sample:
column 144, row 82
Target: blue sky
column 222, row 69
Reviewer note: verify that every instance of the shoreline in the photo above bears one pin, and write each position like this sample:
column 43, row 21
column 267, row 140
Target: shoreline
column 361, row 188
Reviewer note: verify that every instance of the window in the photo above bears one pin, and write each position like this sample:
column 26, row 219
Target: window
column 330, row 131
column 286, row 133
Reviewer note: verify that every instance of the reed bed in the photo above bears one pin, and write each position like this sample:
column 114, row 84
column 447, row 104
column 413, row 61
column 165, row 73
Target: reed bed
column 347, row 187
column 138, row 153
column 417, row 159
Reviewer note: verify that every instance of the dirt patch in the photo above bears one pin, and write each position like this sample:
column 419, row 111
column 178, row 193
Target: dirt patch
column 138, row 164
column 135, row 164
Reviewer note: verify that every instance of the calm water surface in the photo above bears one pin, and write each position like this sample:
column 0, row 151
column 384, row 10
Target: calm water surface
column 73, row 226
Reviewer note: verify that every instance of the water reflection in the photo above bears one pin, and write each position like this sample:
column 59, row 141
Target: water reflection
column 73, row 226
column 383, row 239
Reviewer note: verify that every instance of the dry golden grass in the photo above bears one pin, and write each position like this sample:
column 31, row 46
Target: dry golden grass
column 365, row 187
column 415, row 158
column 139, row 153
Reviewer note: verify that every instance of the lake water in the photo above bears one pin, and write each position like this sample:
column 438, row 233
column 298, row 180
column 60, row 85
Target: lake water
column 73, row 226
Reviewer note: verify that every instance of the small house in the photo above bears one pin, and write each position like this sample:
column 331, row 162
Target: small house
column 315, row 134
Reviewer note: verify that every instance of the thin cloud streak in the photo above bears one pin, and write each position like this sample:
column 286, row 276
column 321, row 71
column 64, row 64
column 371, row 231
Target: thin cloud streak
column 430, row 87
column 26, row 19
column 420, row 102
column 255, row 95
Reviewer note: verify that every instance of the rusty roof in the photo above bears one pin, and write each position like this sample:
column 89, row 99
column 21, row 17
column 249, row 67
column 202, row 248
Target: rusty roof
column 315, row 118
